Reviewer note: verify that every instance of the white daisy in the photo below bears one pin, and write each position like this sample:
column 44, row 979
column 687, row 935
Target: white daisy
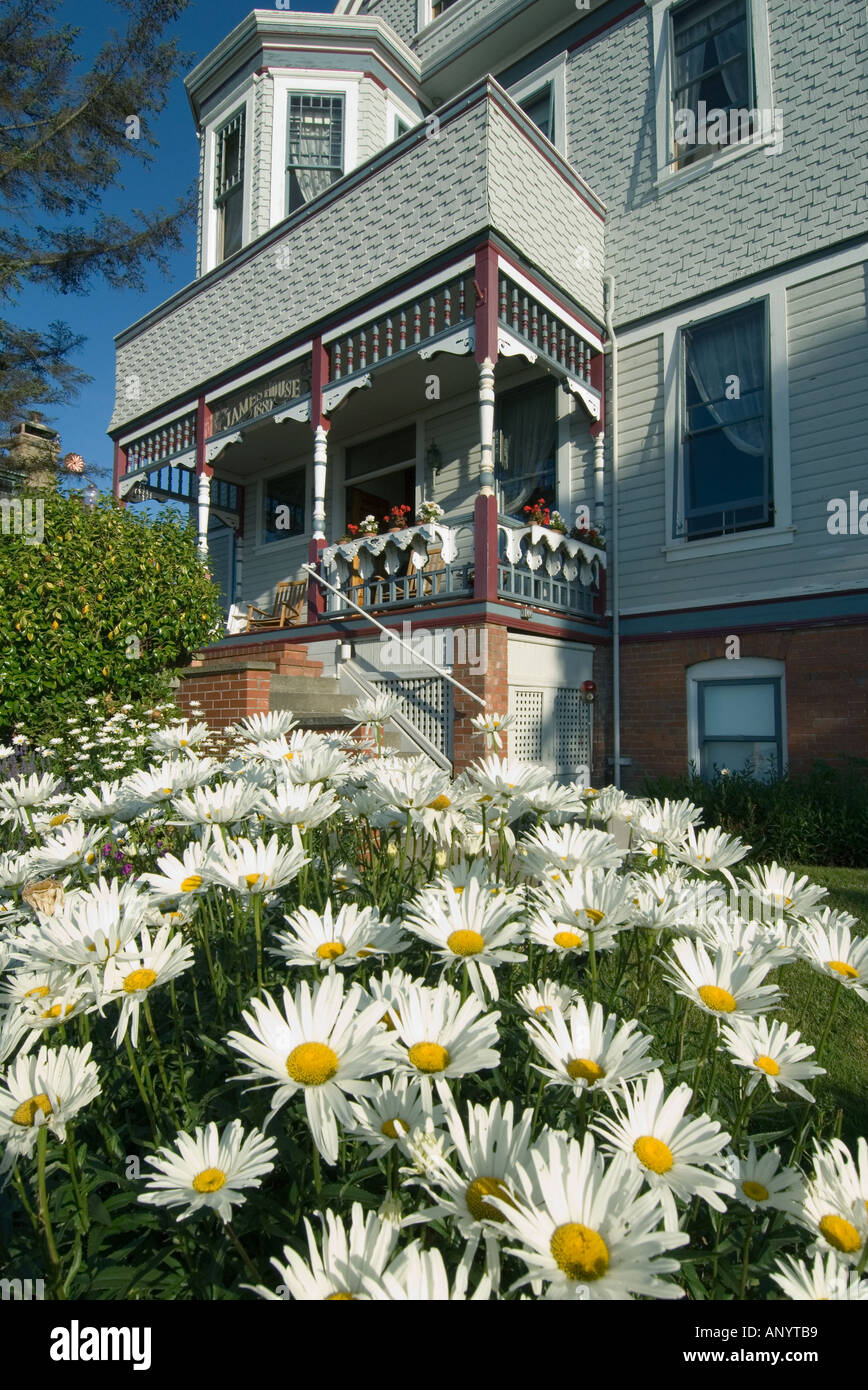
column 590, row 1235
column 48, row 1089
column 565, row 849
column 249, row 869
column 777, row 891
column 178, row 737
column 587, row 1053
column 762, row 1184
column 671, row 1151
column 474, row 929
column 443, row 1037
column 324, row 1044
column 835, row 1208
column 179, row 877
column 344, row 938
column 545, row 997
column 395, row 1108
column 226, row 804
column 141, row 966
column 346, row 1265
column 419, row 1276
column 828, row 947
column 208, row 1169
column 305, row 806
column 725, row 985
column 771, row 1052
column 826, row 1280
column 262, row 727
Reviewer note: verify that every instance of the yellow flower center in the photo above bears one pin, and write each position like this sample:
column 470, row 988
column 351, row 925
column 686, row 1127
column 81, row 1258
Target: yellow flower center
column 54, row 1011
column 191, row 883
column 364, row 951
column 476, row 1194
column 583, row 1069
column 440, row 803
column 390, row 1128
column 250, row 879
column 330, row 950
column 717, row 999
column 342, row 1296
column 755, row 1191
column 312, row 1064
column 139, row 979
column 183, row 743
column 653, row 1153
column 26, row 1112
column 847, row 972
column 59, row 820
column 766, row 1064
column 210, row 1181
column 429, row 1056
column 458, row 890
column 841, row 1234
column 567, row 940
column 40, row 992
column 580, row 1252
column 594, row 915
column 543, row 1009
column 465, row 943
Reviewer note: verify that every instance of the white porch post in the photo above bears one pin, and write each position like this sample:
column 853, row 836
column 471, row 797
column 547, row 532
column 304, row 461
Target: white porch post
column 599, row 479
column 486, row 427
column 239, row 566
column 320, row 461
column 204, row 510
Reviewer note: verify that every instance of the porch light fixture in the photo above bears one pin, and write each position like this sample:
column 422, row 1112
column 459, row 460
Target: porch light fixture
column 588, row 691
column 526, row 614
column 433, row 457
column 90, row 494
column 345, row 651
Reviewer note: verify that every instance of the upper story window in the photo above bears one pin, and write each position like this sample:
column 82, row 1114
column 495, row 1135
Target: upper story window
column 315, row 146
column 726, row 428
column 712, row 78
column 526, row 436
column 229, row 186
column 712, row 69
column 438, row 6
column 540, row 107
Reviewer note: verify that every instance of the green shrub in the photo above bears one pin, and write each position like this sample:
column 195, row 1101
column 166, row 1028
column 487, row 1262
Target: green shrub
column 818, row 818
column 107, row 604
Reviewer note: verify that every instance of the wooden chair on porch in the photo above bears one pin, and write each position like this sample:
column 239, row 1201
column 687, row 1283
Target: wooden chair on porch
column 290, row 599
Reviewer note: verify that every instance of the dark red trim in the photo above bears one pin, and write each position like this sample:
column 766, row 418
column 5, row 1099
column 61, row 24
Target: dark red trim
column 315, row 592
column 203, row 434
column 119, row 468
column 485, row 549
column 601, row 28
column 544, row 289
column 664, row 614
column 486, row 303
column 794, row 624
column 374, row 78
column 319, row 375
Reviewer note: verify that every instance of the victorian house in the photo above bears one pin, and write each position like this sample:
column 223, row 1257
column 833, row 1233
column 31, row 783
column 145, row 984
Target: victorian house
column 525, row 363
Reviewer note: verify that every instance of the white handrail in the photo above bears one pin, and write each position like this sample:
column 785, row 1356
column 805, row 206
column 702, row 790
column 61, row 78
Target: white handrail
column 389, row 633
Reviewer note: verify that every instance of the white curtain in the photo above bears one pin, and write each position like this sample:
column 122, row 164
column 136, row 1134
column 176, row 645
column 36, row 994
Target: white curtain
column 529, row 433
column 734, row 348
column 694, row 37
column 312, row 146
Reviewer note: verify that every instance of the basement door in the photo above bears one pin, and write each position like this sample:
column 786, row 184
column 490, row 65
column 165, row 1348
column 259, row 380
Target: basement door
column 552, row 723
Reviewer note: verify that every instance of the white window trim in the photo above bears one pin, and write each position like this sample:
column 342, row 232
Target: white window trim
column 736, row 670
column 342, row 83
column 260, row 544
column 676, row 547
column 768, row 138
column 396, row 111
column 217, row 119
column 425, row 17
column 554, row 72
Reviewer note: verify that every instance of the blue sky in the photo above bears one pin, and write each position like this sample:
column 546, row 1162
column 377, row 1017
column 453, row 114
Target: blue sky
column 101, row 312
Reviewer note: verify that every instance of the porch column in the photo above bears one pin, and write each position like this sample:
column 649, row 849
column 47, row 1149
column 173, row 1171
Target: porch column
column 204, row 504
column 320, row 459
column 599, row 479
column 486, row 428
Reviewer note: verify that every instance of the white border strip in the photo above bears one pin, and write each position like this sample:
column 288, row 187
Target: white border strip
column 550, row 304
column 370, row 315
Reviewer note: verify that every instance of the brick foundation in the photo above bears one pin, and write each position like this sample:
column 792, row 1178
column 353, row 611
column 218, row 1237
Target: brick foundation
column 226, row 690
column 287, row 658
column 492, row 684
column 826, row 681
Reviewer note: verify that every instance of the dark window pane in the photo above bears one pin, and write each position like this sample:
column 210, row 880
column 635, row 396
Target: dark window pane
column 385, row 452
column 539, row 108
column 285, row 505
column 526, row 437
column 315, row 146
column 740, row 727
column 712, row 95
column 231, row 219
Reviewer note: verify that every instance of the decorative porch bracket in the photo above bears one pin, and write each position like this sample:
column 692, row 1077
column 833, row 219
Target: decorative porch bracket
column 461, row 342
column 333, row 396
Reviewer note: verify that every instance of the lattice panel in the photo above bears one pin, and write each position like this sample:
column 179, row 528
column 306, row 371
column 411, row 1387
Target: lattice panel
column 426, row 703
column 525, row 734
column 572, row 729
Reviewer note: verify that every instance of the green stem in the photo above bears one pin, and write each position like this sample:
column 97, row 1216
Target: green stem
column 248, row 1263
column 53, row 1257
column 317, row 1171
column 745, row 1258
column 75, row 1179
column 158, row 1052
column 592, row 961
column 822, row 1043
column 146, row 1100
column 257, row 927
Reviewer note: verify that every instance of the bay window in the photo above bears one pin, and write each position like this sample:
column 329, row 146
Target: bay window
column 315, row 146
column 229, row 186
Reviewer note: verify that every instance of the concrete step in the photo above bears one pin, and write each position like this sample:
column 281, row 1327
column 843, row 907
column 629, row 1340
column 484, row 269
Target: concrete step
column 302, row 688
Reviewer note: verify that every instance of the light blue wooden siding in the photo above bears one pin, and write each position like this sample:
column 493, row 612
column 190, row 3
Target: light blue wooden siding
column 828, row 414
column 759, row 210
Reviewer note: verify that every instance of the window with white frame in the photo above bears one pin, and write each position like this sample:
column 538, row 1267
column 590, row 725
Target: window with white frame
column 712, row 68
column 229, row 185
column 315, row 145
column 737, row 718
column 540, row 107
column 542, row 96
column 725, row 466
column 526, row 438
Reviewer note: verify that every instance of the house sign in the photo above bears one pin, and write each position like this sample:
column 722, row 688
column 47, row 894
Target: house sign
column 261, row 397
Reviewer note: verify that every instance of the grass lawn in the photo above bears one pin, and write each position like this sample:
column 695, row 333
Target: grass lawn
column 845, row 1056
